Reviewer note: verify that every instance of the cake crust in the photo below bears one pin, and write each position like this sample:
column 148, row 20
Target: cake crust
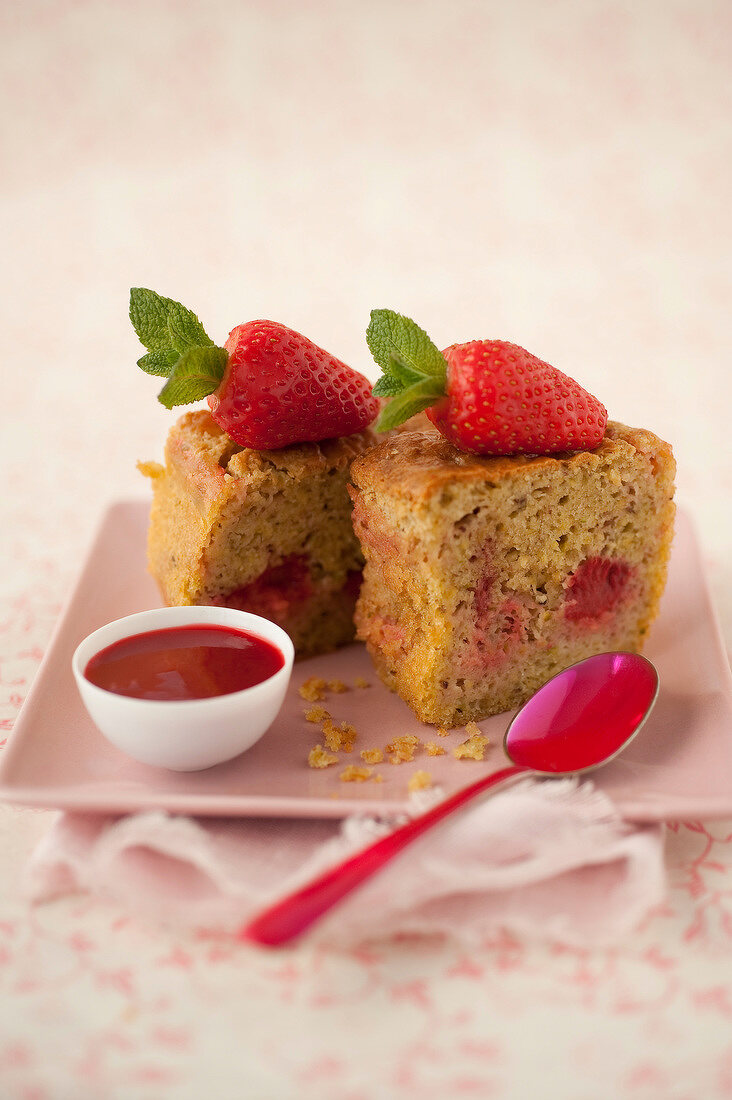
column 415, row 465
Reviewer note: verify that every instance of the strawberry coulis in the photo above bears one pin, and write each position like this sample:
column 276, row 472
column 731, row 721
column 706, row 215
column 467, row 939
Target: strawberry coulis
column 184, row 663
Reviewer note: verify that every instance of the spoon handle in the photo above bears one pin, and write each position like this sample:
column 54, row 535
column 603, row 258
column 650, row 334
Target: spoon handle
column 294, row 914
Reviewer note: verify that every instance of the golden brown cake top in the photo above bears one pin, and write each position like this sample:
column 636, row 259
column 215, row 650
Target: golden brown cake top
column 197, row 441
column 415, row 465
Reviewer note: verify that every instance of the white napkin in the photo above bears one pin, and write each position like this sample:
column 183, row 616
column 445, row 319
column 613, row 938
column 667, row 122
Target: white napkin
column 549, row 859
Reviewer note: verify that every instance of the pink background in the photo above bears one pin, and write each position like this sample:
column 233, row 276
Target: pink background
column 557, row 174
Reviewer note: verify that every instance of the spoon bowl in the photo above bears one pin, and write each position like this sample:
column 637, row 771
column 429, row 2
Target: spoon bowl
column 580, row 719
column 584, row 716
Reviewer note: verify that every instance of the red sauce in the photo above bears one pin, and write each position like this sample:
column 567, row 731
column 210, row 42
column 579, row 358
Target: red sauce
column 184, row 662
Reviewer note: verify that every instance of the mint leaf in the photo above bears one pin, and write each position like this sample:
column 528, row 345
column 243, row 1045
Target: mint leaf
column 402, row 371
column 386, row 386
column 158, row 362
column 178, row 348
column 184, row 328
column 196, row 374
column 408, row 403
column 390, row 333
column 399, row 377
column 415, row 371
column 149, row 316
column 163, row 324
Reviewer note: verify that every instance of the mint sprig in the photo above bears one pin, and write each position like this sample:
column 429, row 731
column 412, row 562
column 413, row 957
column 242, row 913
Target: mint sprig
column 186, row 331
column 414, row 370
column 158, row 362
column 149, row 316
column 196, row 374
column 178, row 348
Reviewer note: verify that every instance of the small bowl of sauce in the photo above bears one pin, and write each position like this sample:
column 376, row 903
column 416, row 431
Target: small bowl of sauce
column 184, row 688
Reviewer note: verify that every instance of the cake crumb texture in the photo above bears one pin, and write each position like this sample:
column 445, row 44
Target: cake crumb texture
column 486, row 576
column 372, row 756
column 316, row 714
column 339, row 738
column 472, row 749
column 355, row 774
column 318, row 757
column 337, row 687
column 265, row 531
column 402, row 749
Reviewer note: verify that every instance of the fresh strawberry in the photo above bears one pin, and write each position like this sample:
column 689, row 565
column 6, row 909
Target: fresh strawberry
column 267, row 387
column 279, row 388
column 486, row 397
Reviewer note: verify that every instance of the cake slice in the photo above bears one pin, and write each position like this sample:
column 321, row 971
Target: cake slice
column 266, row 531
column 485, row 576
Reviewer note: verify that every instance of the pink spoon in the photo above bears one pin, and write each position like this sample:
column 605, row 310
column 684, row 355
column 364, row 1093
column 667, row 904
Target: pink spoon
column 579, row 720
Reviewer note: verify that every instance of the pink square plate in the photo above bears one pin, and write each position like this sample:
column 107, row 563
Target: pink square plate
column 679, row 767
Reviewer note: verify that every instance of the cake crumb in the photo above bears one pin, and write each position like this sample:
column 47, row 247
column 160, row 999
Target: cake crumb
column 339, row 738
column 317, row 714
column 319, row 758
column 313, row 689
column 434, row 749
column 372, row 756
column 420, row 781
column 475, row 746
column 442, row 732
column 355, row 774
column 359, row 682
column 378, row 778
column 337, row 687
column 402, row 749
column 153, row 470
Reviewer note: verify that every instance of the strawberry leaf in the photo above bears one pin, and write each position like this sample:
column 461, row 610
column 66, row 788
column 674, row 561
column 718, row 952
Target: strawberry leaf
column 415, row 399
column 196, row 374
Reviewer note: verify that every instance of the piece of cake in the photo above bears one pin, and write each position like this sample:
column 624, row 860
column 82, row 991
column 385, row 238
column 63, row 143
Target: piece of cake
column 265, row 531
column 486, row 576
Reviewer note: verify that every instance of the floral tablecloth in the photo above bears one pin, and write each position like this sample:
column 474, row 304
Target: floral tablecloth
column 558, row 175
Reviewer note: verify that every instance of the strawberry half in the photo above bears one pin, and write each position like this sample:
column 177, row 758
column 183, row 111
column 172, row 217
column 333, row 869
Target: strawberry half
column 486, row 396
column 268, row 387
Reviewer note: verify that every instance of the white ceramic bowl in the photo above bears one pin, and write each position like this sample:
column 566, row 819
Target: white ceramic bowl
column 189, row 734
